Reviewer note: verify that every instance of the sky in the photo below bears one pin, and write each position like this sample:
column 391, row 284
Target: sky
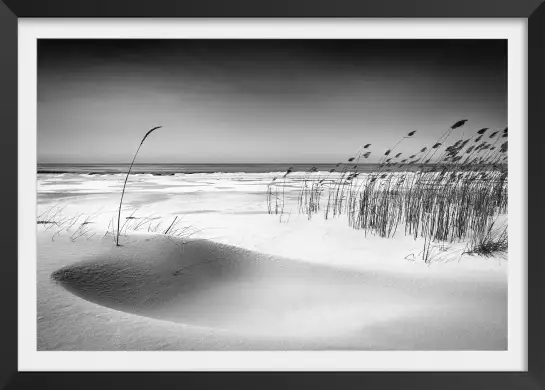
column 261, row 101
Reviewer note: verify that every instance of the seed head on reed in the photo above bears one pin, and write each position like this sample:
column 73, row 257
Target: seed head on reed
column 458, row 124
column 287, row 172
column 148, row 133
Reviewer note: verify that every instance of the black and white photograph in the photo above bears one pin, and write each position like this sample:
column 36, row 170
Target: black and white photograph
column 272, row 195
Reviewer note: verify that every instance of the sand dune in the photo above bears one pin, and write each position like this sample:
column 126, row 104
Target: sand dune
column 253, row 281
column 241, row 299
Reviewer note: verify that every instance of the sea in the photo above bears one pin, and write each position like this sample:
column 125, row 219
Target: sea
column 173, row 169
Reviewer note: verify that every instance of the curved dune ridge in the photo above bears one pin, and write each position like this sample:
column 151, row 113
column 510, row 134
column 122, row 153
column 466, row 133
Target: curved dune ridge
column 219, row 286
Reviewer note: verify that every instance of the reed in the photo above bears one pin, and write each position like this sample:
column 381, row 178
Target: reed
column 125, row 183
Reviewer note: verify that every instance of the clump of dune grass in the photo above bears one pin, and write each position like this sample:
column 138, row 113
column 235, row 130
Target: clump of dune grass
column 83, row 226
column 79, row 225
column 492, row 242
column 444, row 192
column 278, row 196
column 51, row 216
column 272, row 197
column 125, row 183
column 151, row 224
column 311, row 191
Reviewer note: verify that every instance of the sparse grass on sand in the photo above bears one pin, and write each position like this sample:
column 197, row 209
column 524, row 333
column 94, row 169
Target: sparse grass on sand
column 80, row 226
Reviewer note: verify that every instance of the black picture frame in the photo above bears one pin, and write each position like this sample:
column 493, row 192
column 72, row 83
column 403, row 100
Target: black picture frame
column 532, row 10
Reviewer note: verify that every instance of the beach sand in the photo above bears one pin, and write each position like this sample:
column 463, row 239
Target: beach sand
column 242, row 279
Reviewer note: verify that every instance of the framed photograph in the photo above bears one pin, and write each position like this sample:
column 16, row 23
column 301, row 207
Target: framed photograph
column 305, row 196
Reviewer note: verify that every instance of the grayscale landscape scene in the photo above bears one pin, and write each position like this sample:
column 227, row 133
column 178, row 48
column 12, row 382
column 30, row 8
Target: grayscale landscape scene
column 272, row 194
